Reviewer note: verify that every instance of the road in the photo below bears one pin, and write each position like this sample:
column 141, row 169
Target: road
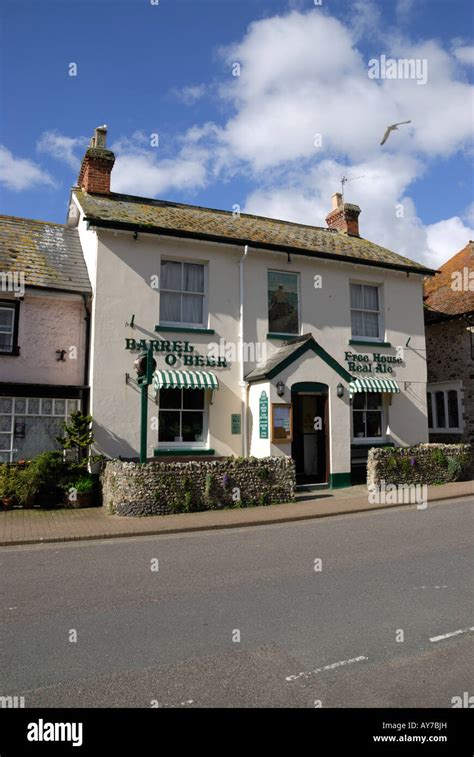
column 358, row 629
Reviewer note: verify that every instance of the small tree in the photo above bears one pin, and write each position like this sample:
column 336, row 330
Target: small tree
column 78, row 436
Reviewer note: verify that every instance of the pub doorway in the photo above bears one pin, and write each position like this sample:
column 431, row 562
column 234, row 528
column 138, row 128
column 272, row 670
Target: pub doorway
column 310, row 446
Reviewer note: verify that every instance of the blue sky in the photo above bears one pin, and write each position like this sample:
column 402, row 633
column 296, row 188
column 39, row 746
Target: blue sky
column 248, row 140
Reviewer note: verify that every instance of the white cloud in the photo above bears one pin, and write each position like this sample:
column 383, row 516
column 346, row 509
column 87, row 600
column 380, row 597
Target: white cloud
column 61, row 147
column 465, row 54
column 191, row 94
column 140, row 169
column 302, row 75
column 19, row 173
column 448, row 237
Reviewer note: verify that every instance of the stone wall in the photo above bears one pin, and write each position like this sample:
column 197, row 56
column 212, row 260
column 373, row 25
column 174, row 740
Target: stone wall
column 448, row 354
column 159, row 488
column 423, row 464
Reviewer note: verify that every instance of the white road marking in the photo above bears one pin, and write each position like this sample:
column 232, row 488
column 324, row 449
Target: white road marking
column 452, row 633
column 326, row 667
column 442, row 586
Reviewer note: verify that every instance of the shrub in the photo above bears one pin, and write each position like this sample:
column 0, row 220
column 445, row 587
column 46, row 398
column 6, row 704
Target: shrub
column 83, row 485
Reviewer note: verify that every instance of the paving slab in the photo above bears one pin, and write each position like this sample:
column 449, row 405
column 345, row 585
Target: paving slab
column 35, row 525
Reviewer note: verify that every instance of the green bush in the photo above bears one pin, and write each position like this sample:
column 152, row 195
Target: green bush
column 438, row 457
column 83, row 485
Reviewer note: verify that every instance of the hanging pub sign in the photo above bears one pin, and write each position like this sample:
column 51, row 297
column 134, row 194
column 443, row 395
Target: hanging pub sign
column 175, row 351
column 357, row 363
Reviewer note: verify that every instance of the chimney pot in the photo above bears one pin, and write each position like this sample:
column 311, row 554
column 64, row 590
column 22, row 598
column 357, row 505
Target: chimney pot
column 336, row 200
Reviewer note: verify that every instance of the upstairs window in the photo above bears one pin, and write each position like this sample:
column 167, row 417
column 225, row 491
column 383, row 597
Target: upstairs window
column 9, row 312
column 283, row 303
column 182, row 293
column 365, row 312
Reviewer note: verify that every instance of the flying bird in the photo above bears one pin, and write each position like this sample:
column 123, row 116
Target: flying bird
column 392, row 128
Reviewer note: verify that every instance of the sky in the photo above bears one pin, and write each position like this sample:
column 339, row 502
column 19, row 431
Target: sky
column 260, row 104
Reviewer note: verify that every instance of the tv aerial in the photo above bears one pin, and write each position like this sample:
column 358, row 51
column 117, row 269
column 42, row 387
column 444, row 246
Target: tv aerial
column 344, row 180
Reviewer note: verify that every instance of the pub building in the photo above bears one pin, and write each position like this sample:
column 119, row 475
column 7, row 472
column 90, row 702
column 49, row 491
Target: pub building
column 270, row 337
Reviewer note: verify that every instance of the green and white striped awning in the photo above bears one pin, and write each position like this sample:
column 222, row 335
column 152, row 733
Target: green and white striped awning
column 374, row 385
column 169, row 379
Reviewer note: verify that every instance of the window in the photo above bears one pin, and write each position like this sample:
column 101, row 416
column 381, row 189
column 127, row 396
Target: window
column 367, row 416
column 181, row 417
column 365, row 311
column 30, row 425
column 9, row 312
column 283, row 303
column 182, row 293
column 444, row 408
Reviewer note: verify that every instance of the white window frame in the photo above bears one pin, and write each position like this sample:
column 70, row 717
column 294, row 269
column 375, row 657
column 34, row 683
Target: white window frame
column 384, row 423
column 204, row 295
column 14, row 414
column 445, row 387
column 298, row 289
column 14, row 311
column 205, row 426
column 379, row 287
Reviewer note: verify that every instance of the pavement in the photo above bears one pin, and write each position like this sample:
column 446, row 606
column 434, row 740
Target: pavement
column 371, row 609
column 20, row 526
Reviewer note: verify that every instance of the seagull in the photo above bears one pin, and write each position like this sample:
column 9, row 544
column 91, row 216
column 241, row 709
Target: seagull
column 392, row 128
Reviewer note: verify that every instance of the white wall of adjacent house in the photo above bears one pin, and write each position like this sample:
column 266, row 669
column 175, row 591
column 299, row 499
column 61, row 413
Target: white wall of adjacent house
column 48, row 321
column 123, row 288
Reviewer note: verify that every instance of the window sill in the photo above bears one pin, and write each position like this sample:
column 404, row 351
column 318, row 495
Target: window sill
column 445, row 431
column 184, row 329
column 13, row 353
column 169, row 452
column 369, row 342
column 271, row 335
column 369, row 443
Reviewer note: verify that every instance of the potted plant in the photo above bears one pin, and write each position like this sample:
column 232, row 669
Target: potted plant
column 80, row 492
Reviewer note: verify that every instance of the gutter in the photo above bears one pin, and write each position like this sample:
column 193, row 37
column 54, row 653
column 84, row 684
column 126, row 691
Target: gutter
column 87, row 319
column 161, row 231
column 242, row 382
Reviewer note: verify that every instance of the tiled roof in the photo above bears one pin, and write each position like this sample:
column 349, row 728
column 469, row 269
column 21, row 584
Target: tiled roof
column 123, row 211
column 48, row 254
column 448, row 293
column 290, row 351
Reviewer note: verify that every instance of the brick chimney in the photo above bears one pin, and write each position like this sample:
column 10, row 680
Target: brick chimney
column 97, row 164
column 343, row 216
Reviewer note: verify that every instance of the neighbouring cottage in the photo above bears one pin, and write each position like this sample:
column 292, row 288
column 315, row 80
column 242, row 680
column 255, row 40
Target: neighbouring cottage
column 44, row 314
column 270, row 338
column 449, row 320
